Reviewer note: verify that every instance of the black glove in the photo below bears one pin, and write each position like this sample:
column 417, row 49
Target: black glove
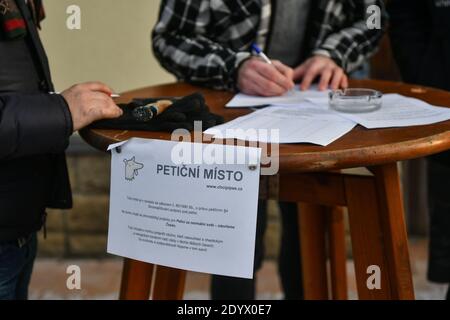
column 180, row 115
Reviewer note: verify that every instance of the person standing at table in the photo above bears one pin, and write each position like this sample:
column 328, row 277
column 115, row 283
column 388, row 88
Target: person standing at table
column 208, row 43
column 420, row 36
column 35, row 127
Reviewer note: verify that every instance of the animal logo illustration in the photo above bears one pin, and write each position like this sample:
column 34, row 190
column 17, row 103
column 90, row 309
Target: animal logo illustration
column 132, row 168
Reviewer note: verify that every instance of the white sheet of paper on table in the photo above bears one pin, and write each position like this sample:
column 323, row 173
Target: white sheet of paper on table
column 302, row 123
column 396, row 111
column 191, row 223
column 293, row 97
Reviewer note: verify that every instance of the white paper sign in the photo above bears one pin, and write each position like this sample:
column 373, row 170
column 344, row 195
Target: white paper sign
column 198, row 217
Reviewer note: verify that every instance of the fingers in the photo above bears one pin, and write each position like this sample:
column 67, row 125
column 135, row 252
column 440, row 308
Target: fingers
column 89, row 102
column 325, row 79
column 113, row 112
column 103, row 107
column 271, row 73
column 286, row 71
column 265, row 86
column 334, row 78
column 344, row 82
column 110, row 109
column 331, row 75
column 337, row 79
column 256, row 77
column 252, row 89
column 259, row 78
column 97, row 86
column 309, row 77
column 255, row 84
column 299, row 72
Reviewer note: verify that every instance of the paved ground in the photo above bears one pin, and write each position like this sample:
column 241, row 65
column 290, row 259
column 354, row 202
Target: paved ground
column 101, row 279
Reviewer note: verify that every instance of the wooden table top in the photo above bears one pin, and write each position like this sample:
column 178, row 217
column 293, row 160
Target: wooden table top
column 359, row 148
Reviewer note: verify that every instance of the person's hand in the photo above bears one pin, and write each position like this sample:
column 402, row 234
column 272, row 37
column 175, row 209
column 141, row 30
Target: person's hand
column 89, row 102
column 256, row 77
column 331, row 75
column 182, row 114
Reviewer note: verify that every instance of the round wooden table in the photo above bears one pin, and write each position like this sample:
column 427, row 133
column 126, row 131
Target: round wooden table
column 308, row 176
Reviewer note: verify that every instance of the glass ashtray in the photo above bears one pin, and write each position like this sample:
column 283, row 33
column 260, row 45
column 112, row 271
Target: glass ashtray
column 355, row 100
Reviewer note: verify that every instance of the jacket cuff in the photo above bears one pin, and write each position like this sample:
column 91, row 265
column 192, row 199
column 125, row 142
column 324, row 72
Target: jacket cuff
column 43, row 124
column 240, row 58
column 67, row 115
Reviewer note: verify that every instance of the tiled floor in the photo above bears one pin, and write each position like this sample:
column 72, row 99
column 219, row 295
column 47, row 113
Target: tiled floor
column 100, row 279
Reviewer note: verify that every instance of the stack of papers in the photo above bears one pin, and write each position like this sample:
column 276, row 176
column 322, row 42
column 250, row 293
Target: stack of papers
column 305, row 117
column 293, row 97
column 284, row 124
column 396, row 111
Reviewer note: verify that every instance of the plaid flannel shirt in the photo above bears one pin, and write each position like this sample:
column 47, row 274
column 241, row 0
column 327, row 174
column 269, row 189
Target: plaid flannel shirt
column 205, row 41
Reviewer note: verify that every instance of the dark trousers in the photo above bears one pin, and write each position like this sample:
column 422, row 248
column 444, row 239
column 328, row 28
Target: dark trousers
column 289, row 264
column 16, row 266
column 439, row 205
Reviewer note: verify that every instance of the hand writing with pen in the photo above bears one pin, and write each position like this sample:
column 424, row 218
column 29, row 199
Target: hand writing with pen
column 263, row 77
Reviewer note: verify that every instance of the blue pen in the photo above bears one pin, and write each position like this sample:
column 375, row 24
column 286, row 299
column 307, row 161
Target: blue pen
column 260, row 53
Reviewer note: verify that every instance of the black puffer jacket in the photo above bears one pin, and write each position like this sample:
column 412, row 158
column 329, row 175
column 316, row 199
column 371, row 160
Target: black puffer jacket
column 34, row 132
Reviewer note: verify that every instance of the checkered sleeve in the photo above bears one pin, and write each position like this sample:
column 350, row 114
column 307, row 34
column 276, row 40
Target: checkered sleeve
column 181, row 45
column 354, row 44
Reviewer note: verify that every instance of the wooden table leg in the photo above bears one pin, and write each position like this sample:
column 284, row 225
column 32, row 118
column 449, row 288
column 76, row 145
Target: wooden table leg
column 394, row 230
column 337, row 253
column 379, row 241
column 367, row 236
column 312, row 221
column 136, row 280
column 169, row 283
